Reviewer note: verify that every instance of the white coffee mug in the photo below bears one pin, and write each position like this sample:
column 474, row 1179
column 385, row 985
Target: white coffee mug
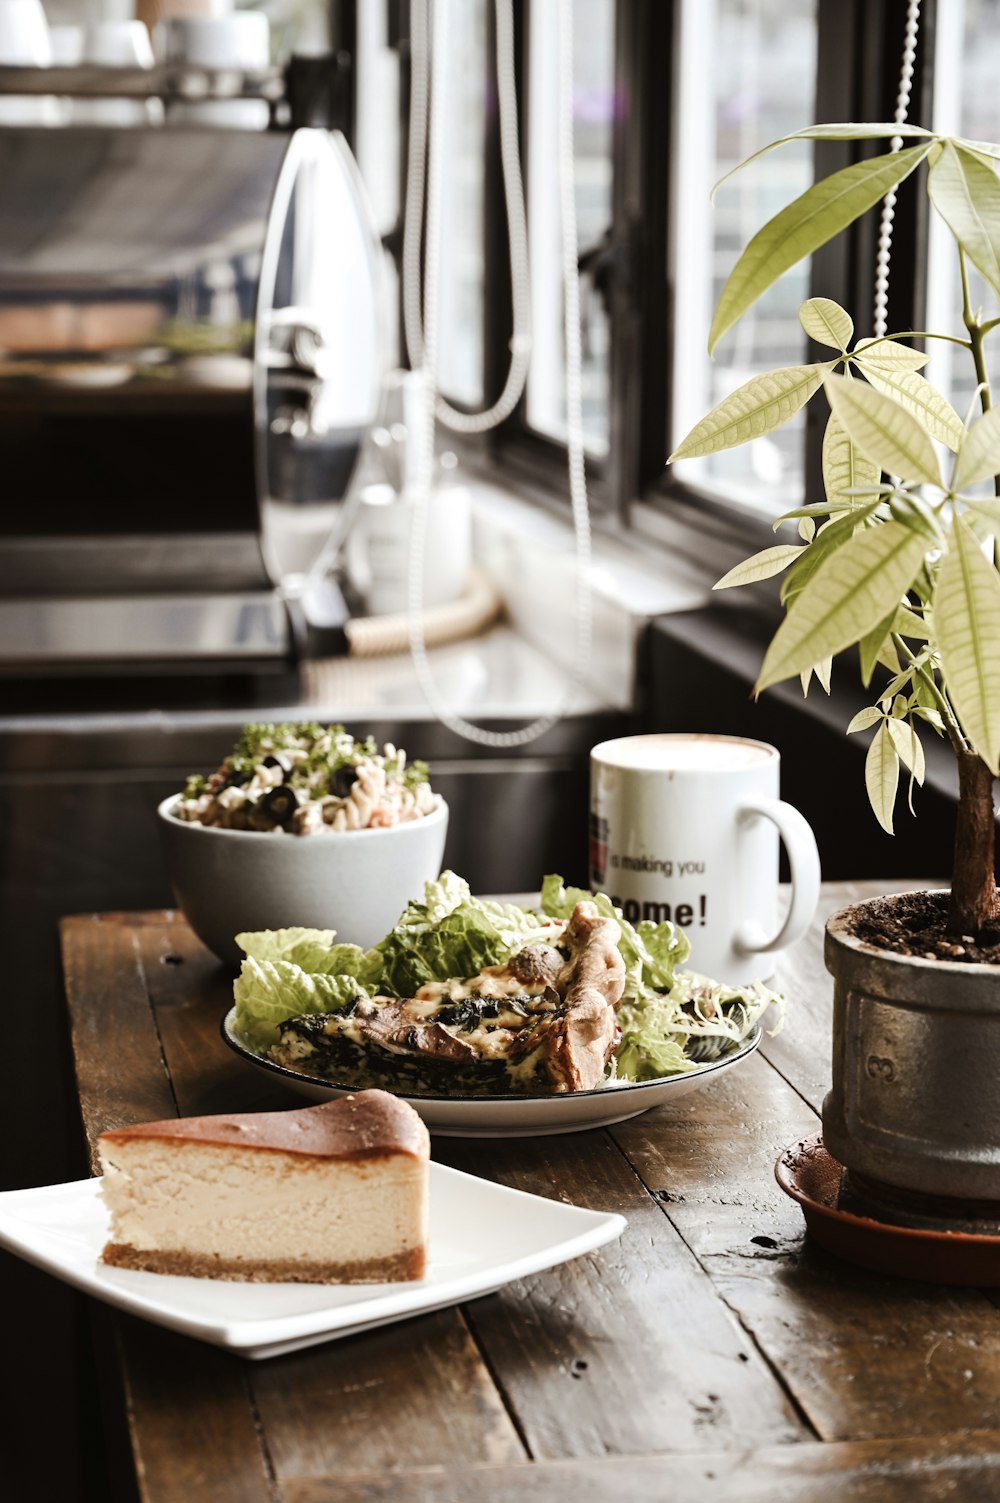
column 685, row 828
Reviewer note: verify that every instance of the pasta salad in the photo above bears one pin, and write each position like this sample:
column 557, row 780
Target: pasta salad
column 308, row 779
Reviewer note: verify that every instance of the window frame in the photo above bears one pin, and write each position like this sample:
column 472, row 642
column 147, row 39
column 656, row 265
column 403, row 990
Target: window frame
column 633, row 492
column 859, row 45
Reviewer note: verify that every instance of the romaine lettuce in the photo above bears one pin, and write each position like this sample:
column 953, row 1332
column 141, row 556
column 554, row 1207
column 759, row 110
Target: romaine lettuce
column 313, row 950
column 671, row 1020
column 694, row 1022
column 451, row 933
column 650, row 951
column 269, row 991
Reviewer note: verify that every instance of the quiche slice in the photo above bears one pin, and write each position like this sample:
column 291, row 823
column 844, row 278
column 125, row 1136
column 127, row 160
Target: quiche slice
column 542, row 1023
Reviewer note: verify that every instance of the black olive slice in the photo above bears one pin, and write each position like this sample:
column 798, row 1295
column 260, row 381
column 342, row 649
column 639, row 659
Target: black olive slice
column 343, row 780
column 237, row 778
column 282, row 760
column 279, row 804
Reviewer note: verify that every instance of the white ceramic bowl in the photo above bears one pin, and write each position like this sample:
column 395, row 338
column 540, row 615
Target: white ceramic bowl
column 354, row 881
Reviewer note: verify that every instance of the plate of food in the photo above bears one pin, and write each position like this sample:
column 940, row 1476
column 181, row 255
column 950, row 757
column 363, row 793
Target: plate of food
column 268, row 1232
column 492, row 1019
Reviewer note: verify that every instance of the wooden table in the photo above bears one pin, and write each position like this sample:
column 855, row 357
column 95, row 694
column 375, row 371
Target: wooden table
column 711, row 1354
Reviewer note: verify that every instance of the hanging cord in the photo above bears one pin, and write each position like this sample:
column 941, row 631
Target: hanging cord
column 574, row 366
column 517, row 226
column 889, row 203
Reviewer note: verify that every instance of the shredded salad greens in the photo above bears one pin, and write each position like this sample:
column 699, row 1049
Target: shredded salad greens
column 672, row 1020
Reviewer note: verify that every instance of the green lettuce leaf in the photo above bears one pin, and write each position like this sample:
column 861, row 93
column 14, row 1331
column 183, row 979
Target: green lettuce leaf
column 672, row 1020
column 269, row 991
column 451, row 933
column 649, row 950
column 696, row 1021
column 312, row 950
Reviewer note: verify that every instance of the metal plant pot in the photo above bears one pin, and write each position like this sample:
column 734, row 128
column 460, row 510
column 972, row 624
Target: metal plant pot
column 915, row 1102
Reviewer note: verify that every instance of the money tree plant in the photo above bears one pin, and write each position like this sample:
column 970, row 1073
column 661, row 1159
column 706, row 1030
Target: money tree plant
column 900, row 558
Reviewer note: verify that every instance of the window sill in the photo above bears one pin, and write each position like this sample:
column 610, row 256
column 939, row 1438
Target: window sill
column 529, row 553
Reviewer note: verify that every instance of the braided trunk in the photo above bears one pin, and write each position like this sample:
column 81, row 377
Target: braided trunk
column 974, row 898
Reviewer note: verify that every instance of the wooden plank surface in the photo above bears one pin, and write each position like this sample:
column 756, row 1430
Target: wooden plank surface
column 627, row 1350
column 710, row 1354
column 319, row 1408
column 965, row 1470
column 862, row 1356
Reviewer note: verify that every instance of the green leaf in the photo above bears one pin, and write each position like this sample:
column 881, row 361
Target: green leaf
column 967, row 625
column 762, row 565
column 807, row 528
column 931, row 715
column 984, row 148
column 979, row 456
column 966, row 194
column 824, row 672
column 844, row 467
column 872, row 648
column 889, row 353
column 863, row 719
column 884, row 432
column 912, row 391
column 815, row 217
column 908, row 624
column 312, row 950
column 650, row 951
column 910, row 508
column 849, row 131
column 269, row 991
column 758, row 407
column 850, row 593
column 987, row 511
column 831, row 536
column 818, row 509
column 903, row 680
column 827, row 322
column 908, row 748
column 882, row 776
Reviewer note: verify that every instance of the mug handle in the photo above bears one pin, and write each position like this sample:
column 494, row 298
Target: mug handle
column 803, row 859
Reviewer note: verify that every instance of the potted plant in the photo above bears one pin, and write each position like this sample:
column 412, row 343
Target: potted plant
column 898, row 561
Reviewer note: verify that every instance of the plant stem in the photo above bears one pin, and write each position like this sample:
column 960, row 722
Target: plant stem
column 951, row 725
column 974, row 898
column 977, row 335
column 929, row 334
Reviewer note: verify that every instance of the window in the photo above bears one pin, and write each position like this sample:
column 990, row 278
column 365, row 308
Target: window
column 966, row 102
column 759, row 58
column 669, row 95
column 461, row 320
column 593, row 119
column 379, row 143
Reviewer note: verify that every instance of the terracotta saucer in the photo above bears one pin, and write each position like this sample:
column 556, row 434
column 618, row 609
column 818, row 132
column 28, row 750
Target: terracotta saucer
column 810, row 1175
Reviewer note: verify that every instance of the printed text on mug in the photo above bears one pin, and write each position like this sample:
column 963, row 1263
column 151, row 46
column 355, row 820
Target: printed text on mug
column 657, row 864
column 681, row 914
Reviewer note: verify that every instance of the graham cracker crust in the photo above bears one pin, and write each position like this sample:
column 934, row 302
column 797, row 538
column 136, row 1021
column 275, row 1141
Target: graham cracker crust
column 401, row 1267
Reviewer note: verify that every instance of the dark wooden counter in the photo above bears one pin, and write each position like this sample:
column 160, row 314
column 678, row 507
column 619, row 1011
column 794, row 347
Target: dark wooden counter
column 711, row 1354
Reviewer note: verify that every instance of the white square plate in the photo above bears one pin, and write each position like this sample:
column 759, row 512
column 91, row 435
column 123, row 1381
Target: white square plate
column 482, row 1236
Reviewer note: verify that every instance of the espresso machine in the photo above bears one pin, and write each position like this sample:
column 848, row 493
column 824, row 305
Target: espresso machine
column 191, row 355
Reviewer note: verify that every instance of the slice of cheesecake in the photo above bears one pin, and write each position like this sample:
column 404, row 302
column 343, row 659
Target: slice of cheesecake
column 331, row 1194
